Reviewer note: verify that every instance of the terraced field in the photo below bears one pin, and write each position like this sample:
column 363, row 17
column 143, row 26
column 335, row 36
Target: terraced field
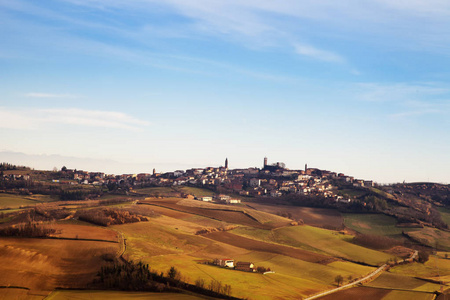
column 394, row 281
column 320, row 217
column 432, row 237
column 375, row 224
column 43, row 264
column 437, row 268
column 319, row 241
column 229, row 216
column 16, row 201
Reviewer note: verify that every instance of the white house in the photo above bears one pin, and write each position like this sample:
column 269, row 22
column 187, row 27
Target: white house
column 233, row 201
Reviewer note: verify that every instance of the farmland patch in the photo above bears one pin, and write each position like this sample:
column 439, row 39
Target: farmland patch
column 432, row 237
column 254, row 245
column 317, row 240
column 358, row 293
column 395, row 281
column 374, row 224
column 43, row 264
column 320, row 217
column 116, row 295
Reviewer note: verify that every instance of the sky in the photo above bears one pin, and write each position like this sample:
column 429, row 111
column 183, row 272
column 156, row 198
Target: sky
column 358, row 87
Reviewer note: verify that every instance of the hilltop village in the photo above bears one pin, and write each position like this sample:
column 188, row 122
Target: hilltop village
column 272, row 180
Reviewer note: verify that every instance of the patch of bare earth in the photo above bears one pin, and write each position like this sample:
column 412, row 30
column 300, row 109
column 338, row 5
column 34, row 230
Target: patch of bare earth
column 357, row 294
column 82, row 232
column 234, row 217
column 44, row 264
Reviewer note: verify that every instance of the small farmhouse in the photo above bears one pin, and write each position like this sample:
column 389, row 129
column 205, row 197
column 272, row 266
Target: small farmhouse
column 224, row 262
column 245, row 266
column 222, row 197
column 233, row 201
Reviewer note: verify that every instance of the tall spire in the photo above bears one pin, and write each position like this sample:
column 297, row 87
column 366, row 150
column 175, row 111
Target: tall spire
column 226, row 163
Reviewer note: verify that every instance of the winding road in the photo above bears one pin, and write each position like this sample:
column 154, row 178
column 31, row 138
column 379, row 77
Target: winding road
column 369, row 277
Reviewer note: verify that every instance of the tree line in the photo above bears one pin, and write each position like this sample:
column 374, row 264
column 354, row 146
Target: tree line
column 137, row 276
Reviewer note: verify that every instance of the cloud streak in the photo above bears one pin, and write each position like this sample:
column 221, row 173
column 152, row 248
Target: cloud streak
column 400, row 92
column 48, row 95
column 33, row 119
column 315, row 53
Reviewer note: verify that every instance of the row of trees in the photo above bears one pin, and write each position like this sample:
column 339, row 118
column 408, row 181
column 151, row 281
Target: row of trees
column 132, row 276
column 31, row 230
column 8, row 167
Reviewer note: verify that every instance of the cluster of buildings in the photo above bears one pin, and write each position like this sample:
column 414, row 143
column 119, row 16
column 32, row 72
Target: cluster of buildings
column 240, row 265
column 271, row 180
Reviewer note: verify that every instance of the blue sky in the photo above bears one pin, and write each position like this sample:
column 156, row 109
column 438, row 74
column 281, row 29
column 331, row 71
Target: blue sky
column 359, row 87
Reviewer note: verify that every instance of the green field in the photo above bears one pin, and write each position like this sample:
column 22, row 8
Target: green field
column 317, row 240
column 432, row 237
column 405, row 295
column 436, row 268
column 374, row 224
column 157, row 191
column 198, row 192
column 164, row 242
column 396, row 281
column 352, row 192
column 113, row 295
column 381, row 193
column 445, row 214
column 15, row 201
column 291, row 279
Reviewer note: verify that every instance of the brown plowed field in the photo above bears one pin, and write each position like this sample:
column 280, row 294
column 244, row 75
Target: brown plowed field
column 254, row 245
column 234, row 217
column 43, row 264
column 83, row 232
column 357, row 294
column 319, row 217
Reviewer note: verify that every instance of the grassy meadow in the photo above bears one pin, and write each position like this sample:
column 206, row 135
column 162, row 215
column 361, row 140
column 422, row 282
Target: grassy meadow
column 15, row 201
column 445, row 214
column 374, row 224
column 317, row 240
column 396, row 281
column 432, row 237
column 437, row 266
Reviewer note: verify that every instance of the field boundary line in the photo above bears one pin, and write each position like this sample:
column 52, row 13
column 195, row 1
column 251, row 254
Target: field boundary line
column 370, row 277
column 77, row 239
column 14, row 287
column 349, row 285
column 395, row 289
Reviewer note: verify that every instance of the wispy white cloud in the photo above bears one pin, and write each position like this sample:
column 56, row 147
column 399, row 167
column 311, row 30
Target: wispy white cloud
column 406, row 100
column 15, row 119
column 315, row 53
column 415, row 113
column 32, row 119
column 49, row 95
column 94, row 118
column 400, row 92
